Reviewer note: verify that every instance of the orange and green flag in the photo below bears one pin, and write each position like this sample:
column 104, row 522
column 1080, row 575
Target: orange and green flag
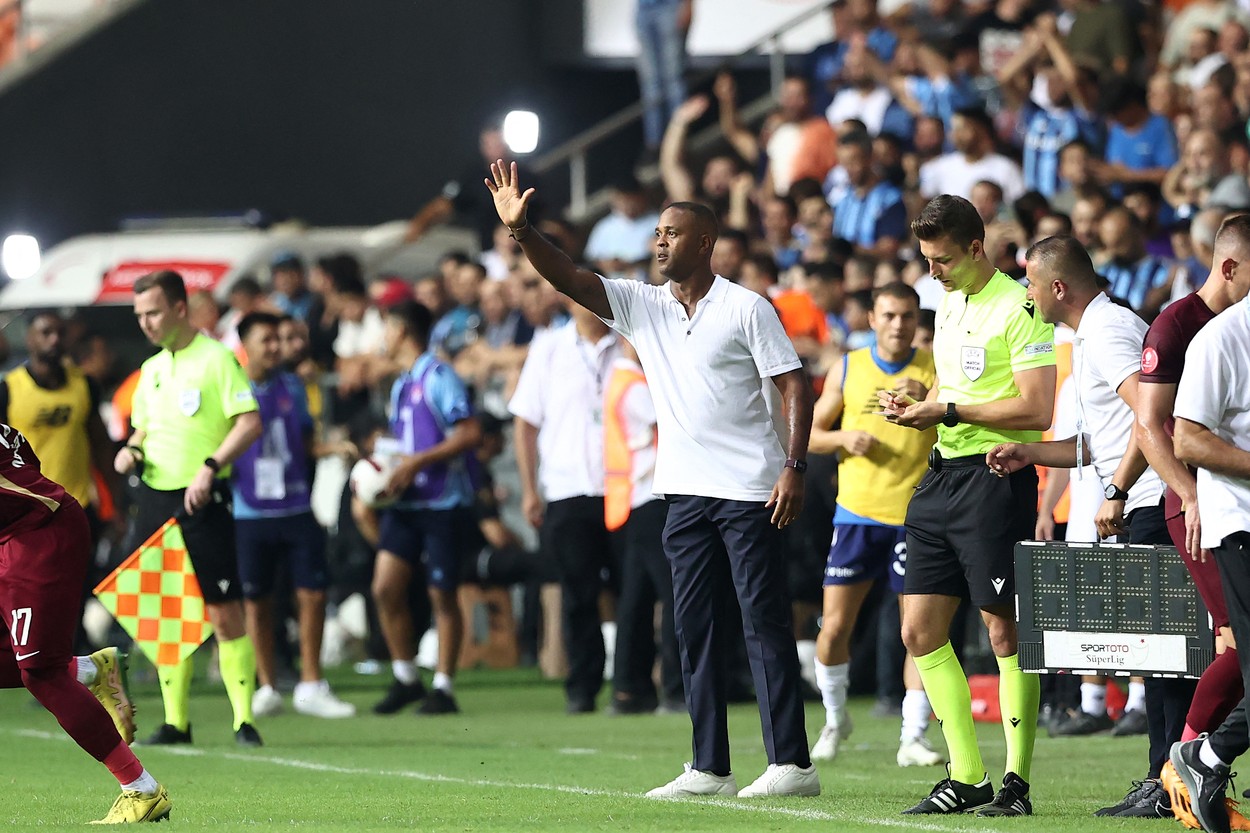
column 156, row 598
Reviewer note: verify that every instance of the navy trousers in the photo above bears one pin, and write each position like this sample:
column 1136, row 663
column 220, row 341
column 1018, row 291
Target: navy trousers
column 718, row 548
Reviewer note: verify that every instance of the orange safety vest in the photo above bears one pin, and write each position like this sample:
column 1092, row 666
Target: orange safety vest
column 618, row 458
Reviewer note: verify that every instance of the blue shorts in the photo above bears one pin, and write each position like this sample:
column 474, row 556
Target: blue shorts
column 862, row 552
column 263, row 543
column 438, row 539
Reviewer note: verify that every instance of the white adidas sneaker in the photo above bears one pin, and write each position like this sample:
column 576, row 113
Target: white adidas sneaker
column 696, row 782
column 266, row 702
column 784, row 779
column 919, row 752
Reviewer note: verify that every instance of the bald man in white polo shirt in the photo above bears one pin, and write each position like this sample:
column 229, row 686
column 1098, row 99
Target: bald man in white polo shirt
column 722, row 373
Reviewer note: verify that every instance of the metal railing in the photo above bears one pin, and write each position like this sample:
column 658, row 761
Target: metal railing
column 575, row 151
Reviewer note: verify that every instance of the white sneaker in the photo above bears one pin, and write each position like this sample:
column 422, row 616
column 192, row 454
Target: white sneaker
column 318, row 700
column 919, row 752
column 266, row 702
column 783, row 779
column 696, row 782
column 826, row 746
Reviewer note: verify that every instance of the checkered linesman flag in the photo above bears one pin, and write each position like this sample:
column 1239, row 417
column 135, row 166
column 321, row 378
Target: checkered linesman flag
column 156, row 598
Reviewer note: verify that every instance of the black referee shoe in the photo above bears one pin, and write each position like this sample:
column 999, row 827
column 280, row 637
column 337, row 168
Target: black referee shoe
column 1206, row 785
column 246, row 735
column 950, row 796
column 167, row 735
column 1011, row 800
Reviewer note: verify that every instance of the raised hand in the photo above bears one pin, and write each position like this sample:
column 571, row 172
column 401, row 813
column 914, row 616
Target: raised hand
column 691, row 109
column 511, row 203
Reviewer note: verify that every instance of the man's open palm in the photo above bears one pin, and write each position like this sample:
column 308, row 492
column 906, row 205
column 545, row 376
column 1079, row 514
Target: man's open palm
column 505, row 187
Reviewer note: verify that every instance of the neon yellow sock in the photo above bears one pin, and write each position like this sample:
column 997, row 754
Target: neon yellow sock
column 238, row 671
column 176, row 693
column 1018, row 697
column 947, row 687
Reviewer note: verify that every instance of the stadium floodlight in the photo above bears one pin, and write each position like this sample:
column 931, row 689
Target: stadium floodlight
column 19, row 256
column 520, row 131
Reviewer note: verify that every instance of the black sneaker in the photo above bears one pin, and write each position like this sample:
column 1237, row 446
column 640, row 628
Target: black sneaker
column 579, row 705
column 166, row 735
column 1130, row 723
column 949, row 796
column 438, row 702
column 246, row 735
column 398, row 696
column 1081, row 723
column 1145, row 799
column 643, row 704
column 1011, row 800
column 1206, row 785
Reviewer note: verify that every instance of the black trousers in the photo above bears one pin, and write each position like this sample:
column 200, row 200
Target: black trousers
column 718, row 547
column 1232, row 739
column 646, row 579
column 575, row 534
column 1167, row 699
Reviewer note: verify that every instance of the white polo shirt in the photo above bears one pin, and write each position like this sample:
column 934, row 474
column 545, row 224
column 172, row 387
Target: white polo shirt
column 717, row 409
column 1105, row 352
column 560, row 391
column 1215, row 392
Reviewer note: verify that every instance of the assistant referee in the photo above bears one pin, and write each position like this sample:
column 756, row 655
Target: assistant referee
column 194, row 414
column 995, row 361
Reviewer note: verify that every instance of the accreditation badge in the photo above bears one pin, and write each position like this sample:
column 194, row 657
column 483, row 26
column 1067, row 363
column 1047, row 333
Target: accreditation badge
column 189, row 402
column 973, row 361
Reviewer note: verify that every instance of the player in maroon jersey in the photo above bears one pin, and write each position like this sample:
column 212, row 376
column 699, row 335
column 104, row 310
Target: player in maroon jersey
column 1163, row 358
column 44, row 549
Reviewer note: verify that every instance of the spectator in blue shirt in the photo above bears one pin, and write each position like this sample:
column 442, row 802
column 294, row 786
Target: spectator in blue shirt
column 853, row 20
column 1056, row 104
column 290, row 286
column 460, row 325
column 871, row 215
column 1140, row 145
column 1142, row 280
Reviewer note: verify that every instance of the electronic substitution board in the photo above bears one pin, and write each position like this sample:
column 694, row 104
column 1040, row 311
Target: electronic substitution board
column 1121, row 609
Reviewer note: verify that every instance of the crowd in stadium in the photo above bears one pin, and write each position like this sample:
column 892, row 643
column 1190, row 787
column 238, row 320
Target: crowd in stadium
column 1102, row 145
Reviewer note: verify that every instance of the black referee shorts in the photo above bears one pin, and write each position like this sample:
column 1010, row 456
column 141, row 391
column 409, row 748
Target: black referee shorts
column 209, row 535
column 963, row 523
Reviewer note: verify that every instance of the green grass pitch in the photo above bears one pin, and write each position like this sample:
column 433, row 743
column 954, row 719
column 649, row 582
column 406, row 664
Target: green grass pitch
column 513, row 761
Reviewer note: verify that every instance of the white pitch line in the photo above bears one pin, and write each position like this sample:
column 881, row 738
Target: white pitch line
column 435, row 778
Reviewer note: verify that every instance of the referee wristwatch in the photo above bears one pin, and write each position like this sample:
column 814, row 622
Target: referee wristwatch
column 1114, row 492
column 213, row 465
column 952, row 416
column 798, row 465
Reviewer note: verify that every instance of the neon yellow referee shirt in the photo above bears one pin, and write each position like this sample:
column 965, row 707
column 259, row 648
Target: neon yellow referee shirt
column 979, row 342
column 186, row 403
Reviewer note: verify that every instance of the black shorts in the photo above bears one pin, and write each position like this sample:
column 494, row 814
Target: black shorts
column 963, row 524
column 209, row 535
column 438, row 540
column 264, row 543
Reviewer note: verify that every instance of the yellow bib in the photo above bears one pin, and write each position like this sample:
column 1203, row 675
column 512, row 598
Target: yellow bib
column 879, row 485
column 55, row 423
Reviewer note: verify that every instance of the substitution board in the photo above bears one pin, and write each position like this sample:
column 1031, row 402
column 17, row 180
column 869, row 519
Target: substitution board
column 1121, row 609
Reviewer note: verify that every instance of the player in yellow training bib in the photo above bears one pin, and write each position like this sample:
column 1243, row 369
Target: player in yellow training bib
column 879, row 468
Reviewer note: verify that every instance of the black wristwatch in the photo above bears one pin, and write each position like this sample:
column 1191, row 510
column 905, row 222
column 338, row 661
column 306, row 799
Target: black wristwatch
column 798, row 465
column 1114, row 492
column 952, row 416
column 212, row 463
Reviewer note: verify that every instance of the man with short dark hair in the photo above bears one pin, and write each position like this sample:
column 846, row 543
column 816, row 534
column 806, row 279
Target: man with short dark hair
column 431, row 526
column 715, row 355
column 194, row 415
column 871, row 216
column 972, row 160
column 995, row 362
column 1107, row 364
column 880, row 467
column 274, row 523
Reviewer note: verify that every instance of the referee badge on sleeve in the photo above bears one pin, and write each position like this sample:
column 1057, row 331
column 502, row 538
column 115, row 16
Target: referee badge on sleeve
column 189, row 402
column 973, row 361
